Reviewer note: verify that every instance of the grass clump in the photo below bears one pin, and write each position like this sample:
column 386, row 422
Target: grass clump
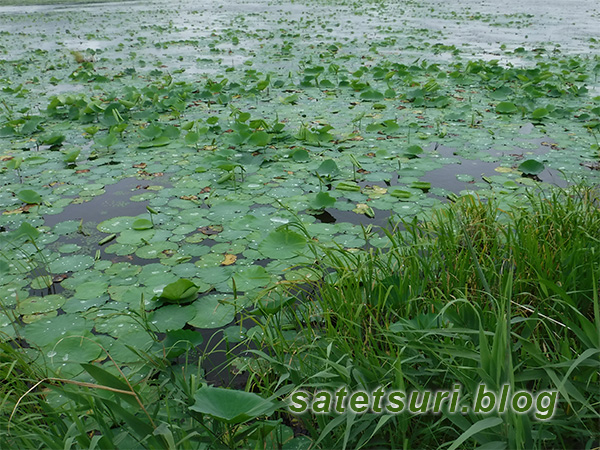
column 473, row 295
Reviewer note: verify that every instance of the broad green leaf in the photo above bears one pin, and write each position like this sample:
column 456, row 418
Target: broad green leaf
column 531, row 167
column 231, row 406
column 282, row 244
column 259, row 138
column 322, row 200
column 328, row 168
column 180, row 290
column 29, row 196
column 158, row 142
column 506, row 108
column 142, row 224
column 539, row 113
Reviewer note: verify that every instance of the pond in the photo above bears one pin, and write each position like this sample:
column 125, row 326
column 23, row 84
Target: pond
column 148, row 143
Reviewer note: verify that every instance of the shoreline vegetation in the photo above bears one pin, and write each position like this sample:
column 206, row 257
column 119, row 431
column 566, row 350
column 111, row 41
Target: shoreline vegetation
column 474, row 294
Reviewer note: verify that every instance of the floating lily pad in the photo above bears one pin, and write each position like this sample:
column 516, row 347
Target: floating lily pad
column 73, row 263
column 282, row 244
column 116, row 224
column 157, row 250
column 211, row 312
column 322, row 200
column 181, row 291
column 66, row 357
column 141, row 224
column 42, row 282
column 29, row 196
column 506, row 108
column 531, row 167
column 172, row 317
column 252, row 277
column 35, row 305
column 91, row 289
column 46, row 332
column 69, row 248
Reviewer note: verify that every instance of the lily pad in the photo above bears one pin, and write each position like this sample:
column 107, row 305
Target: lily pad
column 252, row 277
column 282, row 244
column 42, row 282
column 29, row 196
column 531, row 167
column 72, row 263
column 36, row 305
column 172, row 317
column 181, row 291
column 212, row 312
column 322, row 200
column 142, row 224
column 506, row 108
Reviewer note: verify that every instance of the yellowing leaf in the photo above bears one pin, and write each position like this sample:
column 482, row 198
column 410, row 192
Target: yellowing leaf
column 229, row 259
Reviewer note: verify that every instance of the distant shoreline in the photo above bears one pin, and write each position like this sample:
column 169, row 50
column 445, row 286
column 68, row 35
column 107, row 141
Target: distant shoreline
column 55, row 2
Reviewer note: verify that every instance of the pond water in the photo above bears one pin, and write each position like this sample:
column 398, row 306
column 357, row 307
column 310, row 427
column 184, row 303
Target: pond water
column 149, row 142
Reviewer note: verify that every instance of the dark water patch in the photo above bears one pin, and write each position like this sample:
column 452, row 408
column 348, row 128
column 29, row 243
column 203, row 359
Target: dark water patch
column 113, row 203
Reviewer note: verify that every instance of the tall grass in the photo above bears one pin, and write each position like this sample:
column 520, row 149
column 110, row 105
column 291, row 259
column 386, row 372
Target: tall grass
column 473, row 295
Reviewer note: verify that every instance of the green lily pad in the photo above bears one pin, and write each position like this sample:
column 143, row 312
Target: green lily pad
column 172, row 317
column 506, row 108
column 72, row 263
column 91, row 290
column 182, row 290
column 41, row 282
column 328, row 168
column 116, row 224
column 252, row 277
column 212, row 312
column 135, row 237
column 142, row 224
column 531, row 167
column 36, row 305
column 69, row 248
column 66, row 357
column 178, row 342
column 29, row 196
column 282, row 244
column 322, row 200
column 157, row 250
column 46, row 332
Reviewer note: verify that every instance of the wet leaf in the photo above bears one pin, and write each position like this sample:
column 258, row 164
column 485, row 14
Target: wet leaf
column 29, row 196
column 506, row 108
column 282, row 244
column 142, row 224
column 531, row 167
column 180, row 291
column 229, row 259
column 231, row 406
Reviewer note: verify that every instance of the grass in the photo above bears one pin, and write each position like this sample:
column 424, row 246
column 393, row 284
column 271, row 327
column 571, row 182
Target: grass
column 473, row 295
